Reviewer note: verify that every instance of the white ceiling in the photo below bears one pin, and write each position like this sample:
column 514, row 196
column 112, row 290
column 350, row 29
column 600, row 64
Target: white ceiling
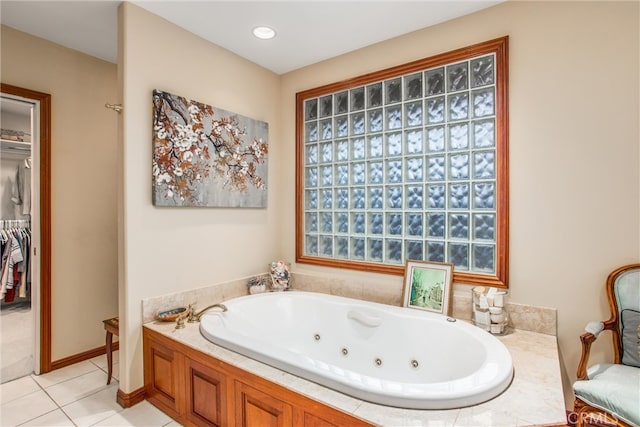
column 307, row 31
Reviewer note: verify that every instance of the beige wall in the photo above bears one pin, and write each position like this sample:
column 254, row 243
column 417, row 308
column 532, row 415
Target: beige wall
column 574, row 147
column 84, row 273
column 164, row 250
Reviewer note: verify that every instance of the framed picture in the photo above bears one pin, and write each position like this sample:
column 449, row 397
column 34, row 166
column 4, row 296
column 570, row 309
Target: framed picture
column 427, row 286
column 206, row 156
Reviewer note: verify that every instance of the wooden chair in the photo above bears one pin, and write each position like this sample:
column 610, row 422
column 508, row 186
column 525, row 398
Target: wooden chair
column 609, row 393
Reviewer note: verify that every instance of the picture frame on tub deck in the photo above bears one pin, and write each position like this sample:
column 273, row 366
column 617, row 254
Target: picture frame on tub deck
column 427, row 286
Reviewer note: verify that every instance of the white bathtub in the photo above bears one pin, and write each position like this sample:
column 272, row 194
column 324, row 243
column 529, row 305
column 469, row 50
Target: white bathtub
column 383, row 354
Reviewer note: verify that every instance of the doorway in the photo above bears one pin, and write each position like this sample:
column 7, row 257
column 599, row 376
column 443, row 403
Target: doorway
column 34, row 305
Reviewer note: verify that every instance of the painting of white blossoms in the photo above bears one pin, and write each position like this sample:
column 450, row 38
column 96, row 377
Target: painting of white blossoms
column 206, row 156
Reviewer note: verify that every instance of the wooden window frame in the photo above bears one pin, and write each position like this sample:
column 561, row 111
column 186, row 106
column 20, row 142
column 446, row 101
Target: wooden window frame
column 499, row 47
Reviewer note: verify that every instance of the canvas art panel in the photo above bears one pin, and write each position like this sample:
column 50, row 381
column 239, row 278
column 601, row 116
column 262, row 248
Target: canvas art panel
column 207, row 156
column 427, row 286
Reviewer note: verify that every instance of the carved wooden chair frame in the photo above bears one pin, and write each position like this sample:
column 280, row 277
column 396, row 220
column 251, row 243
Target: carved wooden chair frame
column 585, row 412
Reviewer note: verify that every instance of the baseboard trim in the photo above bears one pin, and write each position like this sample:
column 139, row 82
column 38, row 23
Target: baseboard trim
column 127, row 400
column 85, row 355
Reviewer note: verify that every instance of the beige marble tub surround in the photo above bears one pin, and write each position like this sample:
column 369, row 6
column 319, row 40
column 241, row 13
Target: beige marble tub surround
column 328, row 285
column 535, row 396
column 535, row 389
column 201, row 297
column 523, row 317
column 349, row 287
column 532, row 318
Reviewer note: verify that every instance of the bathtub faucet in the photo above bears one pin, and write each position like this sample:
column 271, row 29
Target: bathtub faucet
column 195, row 317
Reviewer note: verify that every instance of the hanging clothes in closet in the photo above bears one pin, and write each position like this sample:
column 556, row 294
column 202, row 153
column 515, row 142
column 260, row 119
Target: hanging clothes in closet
column 21, row 191
column 15, row 271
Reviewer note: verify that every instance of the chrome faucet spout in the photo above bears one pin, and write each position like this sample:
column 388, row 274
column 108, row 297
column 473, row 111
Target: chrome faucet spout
column 195, row 317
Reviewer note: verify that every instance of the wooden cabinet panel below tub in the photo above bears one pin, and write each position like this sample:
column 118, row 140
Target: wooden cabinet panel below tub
column 163, row 376
column 196, row 389
column 206, row 394
column 255, row 408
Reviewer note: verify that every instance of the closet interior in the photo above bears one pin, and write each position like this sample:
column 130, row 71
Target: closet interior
column 17, row 318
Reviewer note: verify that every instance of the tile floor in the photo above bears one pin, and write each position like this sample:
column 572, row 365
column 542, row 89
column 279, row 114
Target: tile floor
column 77, row 395
column 17, row 339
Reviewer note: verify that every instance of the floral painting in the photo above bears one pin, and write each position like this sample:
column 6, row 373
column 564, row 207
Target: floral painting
column 206, row 156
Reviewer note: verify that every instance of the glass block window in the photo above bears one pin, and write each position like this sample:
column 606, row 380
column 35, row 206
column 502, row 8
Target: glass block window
column 409, row 163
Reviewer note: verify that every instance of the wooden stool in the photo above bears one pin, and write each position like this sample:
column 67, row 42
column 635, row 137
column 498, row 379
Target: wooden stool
column 112, row 327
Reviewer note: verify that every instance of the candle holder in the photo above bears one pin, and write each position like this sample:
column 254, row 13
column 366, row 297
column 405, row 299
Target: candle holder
column 489, row 309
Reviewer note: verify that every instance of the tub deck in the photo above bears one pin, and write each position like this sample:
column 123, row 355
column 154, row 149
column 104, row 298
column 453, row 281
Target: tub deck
column 535, row 397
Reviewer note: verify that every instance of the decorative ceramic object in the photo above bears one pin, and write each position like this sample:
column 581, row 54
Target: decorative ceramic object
column 257, row 285
column 280, row 275
column 170, row 315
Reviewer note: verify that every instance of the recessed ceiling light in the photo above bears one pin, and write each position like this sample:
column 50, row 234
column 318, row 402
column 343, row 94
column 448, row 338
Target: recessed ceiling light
column 264, row 33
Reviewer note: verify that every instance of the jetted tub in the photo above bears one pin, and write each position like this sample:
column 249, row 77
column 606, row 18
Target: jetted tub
column 380, row 353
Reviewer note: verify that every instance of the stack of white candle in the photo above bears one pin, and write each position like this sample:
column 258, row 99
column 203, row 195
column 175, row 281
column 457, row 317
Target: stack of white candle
column 489, row 311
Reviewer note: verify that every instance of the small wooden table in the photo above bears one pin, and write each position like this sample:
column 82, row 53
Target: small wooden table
column 112, row 327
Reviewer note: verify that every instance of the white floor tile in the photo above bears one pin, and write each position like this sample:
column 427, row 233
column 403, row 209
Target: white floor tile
column 116, row 371
column 76, row 395
column 95, row 408
column 115, row 375
column 17, row 333
column 142, row 414
column 101, row 361
column 26, row 408
column 64, row 374
column 19, row 367
column 79, row 387
column 51, row 419
column 17, row 388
